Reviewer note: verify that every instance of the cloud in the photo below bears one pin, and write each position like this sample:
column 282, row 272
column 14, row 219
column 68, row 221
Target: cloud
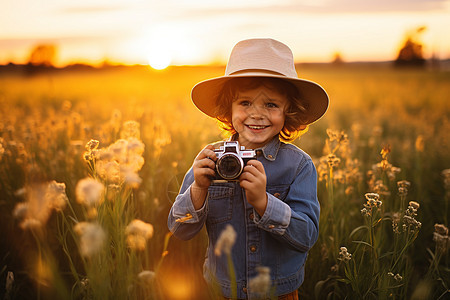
column 321, row 7
column 89, row 9
column 12, row 43
column 368, row 6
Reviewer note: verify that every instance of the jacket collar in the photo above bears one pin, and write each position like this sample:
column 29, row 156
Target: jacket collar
column 269, row 150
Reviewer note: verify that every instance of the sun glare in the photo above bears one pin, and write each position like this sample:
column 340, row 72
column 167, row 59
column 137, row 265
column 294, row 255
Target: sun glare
column 159, row 59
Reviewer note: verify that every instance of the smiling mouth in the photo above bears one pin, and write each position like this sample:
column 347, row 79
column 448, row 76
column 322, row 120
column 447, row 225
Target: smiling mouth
column 257, row 127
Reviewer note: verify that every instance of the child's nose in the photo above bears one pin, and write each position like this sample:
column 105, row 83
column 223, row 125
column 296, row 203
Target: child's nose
column 256, row 116
column 256, row 112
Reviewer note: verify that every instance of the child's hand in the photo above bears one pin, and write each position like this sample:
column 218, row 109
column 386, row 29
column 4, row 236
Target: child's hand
column 203, row 168
column 204, row 165
column 253, row 180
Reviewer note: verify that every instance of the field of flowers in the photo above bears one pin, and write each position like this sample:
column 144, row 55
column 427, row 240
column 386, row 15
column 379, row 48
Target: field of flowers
column 90, row 162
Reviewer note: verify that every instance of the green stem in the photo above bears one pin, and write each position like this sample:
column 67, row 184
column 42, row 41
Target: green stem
column 408, row 243
column 331, row 221
column 63, row 241
column 232, row 276
column 330, row 189
column 446, row 200
column 372, row 238
column 164, row 252
column 38, row 244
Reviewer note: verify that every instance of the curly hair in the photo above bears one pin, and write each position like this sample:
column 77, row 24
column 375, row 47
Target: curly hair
column 296, row 118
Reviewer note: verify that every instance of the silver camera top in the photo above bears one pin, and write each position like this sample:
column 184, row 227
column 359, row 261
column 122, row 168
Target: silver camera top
column 231, row 159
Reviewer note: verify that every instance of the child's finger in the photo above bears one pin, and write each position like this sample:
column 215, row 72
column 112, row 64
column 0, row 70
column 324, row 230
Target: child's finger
column 254, row 166
column 207, row 172
column 248, row 176
column 245, row 184
column 207, row 152
column 205, row 163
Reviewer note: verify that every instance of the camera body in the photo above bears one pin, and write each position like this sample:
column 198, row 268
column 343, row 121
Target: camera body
column 231, row 160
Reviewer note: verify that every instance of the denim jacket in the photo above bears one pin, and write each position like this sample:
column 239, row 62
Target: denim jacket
column 279, row 239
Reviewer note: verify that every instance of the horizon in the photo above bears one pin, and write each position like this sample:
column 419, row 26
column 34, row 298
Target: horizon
column 202, row 32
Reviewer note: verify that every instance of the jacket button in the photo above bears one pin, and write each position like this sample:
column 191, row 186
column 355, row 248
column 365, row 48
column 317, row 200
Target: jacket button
column 271, row 226
column 270, row 156
column 251, row 216
column 253, row 248
column 277, row 195
column 244, row 289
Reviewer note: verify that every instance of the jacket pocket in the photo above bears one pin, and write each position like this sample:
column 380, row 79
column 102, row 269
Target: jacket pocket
column 279, row 191
column 220, row 200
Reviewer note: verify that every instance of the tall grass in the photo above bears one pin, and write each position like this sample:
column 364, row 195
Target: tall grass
column 381, row 152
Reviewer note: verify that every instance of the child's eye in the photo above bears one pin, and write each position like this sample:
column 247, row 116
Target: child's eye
column 244, row 103
column 271, row 105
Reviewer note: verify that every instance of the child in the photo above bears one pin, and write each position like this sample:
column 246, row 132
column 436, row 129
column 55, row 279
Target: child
column 272, row 206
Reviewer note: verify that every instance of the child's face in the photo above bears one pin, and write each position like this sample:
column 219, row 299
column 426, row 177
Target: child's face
column 258, row 115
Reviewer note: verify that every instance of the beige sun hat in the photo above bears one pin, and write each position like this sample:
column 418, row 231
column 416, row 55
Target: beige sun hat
column 261, row 58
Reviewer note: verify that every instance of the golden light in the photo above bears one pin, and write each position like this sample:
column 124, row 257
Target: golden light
column 159, row 58
column 161, row 46
column 42, row 273
column 179, row 288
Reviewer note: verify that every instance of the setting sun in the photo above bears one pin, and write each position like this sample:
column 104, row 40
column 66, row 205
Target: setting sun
column 159, row 59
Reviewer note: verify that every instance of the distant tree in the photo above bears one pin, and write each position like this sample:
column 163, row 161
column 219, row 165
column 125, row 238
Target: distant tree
column 337, row 59
column 43, row 55
column 411, row 53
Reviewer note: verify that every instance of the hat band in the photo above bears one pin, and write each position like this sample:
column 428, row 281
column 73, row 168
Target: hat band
column 255, row 72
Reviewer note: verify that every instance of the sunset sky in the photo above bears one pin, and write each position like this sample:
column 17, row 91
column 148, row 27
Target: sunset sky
column 204, row 31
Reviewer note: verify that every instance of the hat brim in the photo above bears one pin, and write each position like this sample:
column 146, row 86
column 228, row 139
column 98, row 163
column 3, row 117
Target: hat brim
column 205, row 93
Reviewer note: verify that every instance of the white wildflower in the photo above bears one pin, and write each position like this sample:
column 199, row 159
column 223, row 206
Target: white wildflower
column 91, row 150
column 109, row 170
column 104, row 155
column 135, row 146
column 21, row 210
column 409, row 220
column 441, row 229
column 41, row 200
column 344, row 255
column 414, row 206
column 365, row 212
column 146, row 277
column 226, row 241
column 395, row 222
column 84, row 287
column 441, row 238
column 120, row 161
column 260, row 284
column 89, row 192
column 56, row 195
column 403, row 186
column 92, row 145
column 130, row 129
column 131, row 178
column 9, row 283
column 138, row 233
column 92, row 238
column 118, row 149
column 397, row 276
column 373, row 202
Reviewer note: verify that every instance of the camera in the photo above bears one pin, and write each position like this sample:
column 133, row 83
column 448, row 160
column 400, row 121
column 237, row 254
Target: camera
column 231, row 159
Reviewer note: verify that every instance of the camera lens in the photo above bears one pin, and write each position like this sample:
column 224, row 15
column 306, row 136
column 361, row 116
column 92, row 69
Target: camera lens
column 229, row 166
